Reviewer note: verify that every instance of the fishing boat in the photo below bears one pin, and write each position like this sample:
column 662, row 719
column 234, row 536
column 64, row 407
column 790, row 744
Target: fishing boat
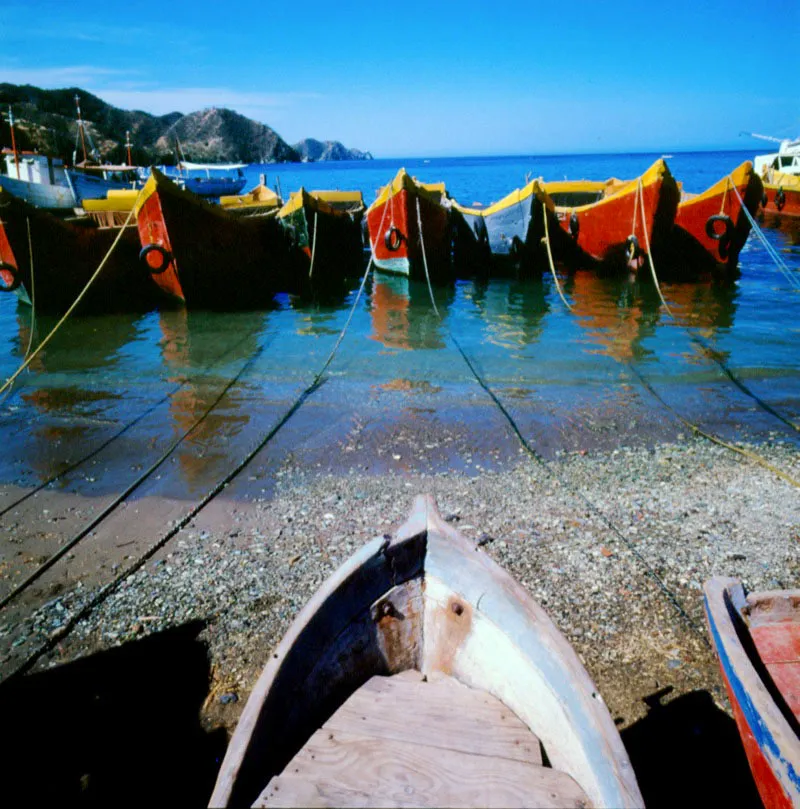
column 258, row 200
column 781, row 199
column 202, row 256
column 757, row 641
column 422, row 674
column 513, row 228
column 49, row 260
column 393, row 224
column 711, row 228
column 210, row 180
column 611, row 224
column 323, row 230
column 786, row 160
column 93, row 181
column 37, row 179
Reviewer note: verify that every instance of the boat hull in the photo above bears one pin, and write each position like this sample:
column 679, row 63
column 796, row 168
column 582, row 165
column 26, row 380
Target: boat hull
column 424, row 600
column 767, row 731
column 394, row 233
column 66, row 253
column 211, row 187
column 203, row 257
column 40, row 195
column 87, row 186
column 781, row 201
column 325, row 243
column 615, row 230
column 711, row 228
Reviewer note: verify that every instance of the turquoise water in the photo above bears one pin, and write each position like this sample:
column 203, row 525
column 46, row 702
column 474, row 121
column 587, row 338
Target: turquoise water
column 565, row 375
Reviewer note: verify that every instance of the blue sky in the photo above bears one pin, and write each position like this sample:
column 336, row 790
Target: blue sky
column 434, row 78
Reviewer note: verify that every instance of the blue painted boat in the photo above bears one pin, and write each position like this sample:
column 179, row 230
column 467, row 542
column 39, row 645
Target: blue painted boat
column 94, row 182
column 757, row 641
column 210, row 179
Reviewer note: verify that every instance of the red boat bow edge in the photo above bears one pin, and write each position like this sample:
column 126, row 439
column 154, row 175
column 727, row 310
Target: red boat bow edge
column 747, row 632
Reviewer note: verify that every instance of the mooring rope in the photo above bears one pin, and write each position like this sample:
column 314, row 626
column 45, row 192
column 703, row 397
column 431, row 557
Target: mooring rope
column 534, row 455
column 640, row 195
column 546, row 240
column 313, row 246
column 10, row 381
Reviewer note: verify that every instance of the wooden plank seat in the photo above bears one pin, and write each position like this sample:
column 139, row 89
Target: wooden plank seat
column 410, row 741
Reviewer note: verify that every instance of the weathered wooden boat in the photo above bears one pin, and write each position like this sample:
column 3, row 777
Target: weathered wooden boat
column 514, row 226
column 38, row 180
column 711, row 228
column 615, row 228
column 394, row 233
column 258, row 200
column 422, row 674
column 93, row 181
column 781, row 199
column 323, row 231
column 210, row 179
column 203, row 256
column 757, row 640
column 66, row 253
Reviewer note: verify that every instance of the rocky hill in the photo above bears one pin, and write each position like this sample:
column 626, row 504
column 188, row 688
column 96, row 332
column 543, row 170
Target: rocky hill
column 45, row 121
column 311, row 150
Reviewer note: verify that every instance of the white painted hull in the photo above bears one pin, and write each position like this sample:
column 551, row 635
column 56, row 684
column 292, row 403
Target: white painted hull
column 395, row 266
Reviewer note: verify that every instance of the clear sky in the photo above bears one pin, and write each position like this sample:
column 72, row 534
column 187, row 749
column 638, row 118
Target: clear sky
column 430, row 78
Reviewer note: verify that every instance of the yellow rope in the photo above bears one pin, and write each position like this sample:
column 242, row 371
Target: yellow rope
column 550, row 257
column 33, row 291
column 640, row 195
column 313, row 246
column 10, row 381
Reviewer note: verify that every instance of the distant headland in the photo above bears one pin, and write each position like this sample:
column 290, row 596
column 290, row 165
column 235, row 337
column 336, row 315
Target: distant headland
column 45, row 122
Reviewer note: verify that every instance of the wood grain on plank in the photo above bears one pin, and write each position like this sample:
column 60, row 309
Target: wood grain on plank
column 440, row 713
column 344, row 768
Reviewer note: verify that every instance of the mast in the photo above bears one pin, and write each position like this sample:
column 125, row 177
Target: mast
column 13, row 140
column 128, row 147
column 80, row 125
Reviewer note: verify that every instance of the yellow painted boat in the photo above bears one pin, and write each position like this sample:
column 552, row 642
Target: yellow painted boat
column 260, row 199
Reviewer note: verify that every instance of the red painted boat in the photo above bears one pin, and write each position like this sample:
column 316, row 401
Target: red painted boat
column 205, row 257
column 757, row 640
column 394, row 233
column 781, row 200
column 64, row 254
column 612, row 223
column 711, row 228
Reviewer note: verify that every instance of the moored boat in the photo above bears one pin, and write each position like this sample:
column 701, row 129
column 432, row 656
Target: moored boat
column 323, row 230
column 93, row 181
column 513, row 228
column 258, row 200
column 757, row 640
column 204, row 257
column 615, row 228
column 422, row 674
column 781, row 199
column 394, row 233
column 37, row 179
column 63, row 256
column 711, row 228
column 210, row 179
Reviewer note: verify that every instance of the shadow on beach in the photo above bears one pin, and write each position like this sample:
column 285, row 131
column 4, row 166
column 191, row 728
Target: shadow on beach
column 120, row 727
column 687, row 752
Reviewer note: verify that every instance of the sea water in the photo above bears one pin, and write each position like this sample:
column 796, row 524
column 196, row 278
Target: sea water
column 128, row 386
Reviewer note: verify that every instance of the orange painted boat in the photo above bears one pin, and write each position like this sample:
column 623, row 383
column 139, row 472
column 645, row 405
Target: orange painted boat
column 394, row 233
column 781, row 199
column 611, row 223
column 757, row 640
column 65, row 255
column 711, row 228
column 205, row 257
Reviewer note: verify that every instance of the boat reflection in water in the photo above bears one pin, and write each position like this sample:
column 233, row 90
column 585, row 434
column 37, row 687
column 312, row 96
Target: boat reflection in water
column 618, row 315
column 512, row 311
column 402, row 315
column 203, row 352
column 74, row 387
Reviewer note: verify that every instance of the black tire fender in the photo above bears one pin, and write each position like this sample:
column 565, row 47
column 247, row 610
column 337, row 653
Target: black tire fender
column 393, row 238
column 780, row 199
column 719, row 235
column 166, row 258
column 632, row 248
column 574, row 226
column 16, row 280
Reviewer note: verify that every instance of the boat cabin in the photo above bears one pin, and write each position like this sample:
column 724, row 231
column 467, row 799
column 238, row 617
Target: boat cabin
column 785, row 160
column 31, row 167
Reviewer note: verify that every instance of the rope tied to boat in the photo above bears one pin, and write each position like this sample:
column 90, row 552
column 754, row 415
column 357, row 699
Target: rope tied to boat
column 640, row 196
column 546, row 241
column 10, row 381
column 313, row 245
column 790, row 276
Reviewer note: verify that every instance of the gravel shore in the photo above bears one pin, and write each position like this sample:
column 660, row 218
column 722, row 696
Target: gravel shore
column 614, row 545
